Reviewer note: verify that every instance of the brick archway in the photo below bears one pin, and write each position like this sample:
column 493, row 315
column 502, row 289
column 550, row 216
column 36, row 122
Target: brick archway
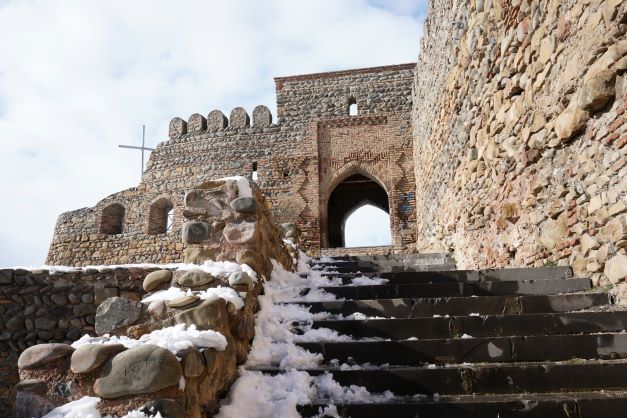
column 350, row 188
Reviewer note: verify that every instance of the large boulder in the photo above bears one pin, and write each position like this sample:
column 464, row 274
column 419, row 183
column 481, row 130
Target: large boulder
column 195, row 232
column 144, row 369
column 38, row 355
column 156, row 278
column 89, row 357
column 195, row 278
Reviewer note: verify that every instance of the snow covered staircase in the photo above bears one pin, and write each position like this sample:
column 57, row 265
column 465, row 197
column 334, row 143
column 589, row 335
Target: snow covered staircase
column 491, row 343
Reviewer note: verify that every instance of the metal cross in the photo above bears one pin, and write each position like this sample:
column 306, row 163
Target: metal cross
column 142, row 148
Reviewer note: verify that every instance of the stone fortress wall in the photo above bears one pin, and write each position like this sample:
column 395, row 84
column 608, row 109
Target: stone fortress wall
column 299, row 160
column 519, row 134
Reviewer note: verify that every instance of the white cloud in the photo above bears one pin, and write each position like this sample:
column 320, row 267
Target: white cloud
column 78, row 78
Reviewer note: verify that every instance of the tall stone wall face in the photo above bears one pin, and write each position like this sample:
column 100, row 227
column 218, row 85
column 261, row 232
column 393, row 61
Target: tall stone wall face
column 42, row 306
column 291, row 157
column 520, row 133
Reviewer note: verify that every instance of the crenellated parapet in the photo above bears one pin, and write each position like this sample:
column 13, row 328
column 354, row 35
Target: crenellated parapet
column 238, row 121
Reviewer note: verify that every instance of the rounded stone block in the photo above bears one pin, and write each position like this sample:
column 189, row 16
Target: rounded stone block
column 196, row 123
column 183, row 301
column 178, row 128
column 239, row 118
column 116, row 312
column 89, row 357
column 38, row 355
column 241, row 278
column 156, row 279
column 216, row 121
column 195, row 278
column 244, row 204
column 195, row 232
column 262, row 117
column 144, row 369
column 240, row 233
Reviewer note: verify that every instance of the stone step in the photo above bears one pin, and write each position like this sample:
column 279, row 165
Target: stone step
column 514, row 274
column 475, row 350
column 458, row 276
column 538, row 377
column 481, row 326
column 426, row 290
column 413, row 258
column 483, row 305
column 554, row 405
column 343, row 269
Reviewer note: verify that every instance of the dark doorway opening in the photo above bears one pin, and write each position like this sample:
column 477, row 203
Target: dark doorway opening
column 348, row 196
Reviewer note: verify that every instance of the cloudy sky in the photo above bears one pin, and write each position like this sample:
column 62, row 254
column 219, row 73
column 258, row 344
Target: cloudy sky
column 77, row 78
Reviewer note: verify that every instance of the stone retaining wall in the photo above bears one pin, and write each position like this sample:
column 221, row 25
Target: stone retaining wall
column 520, row 133
column 41, row 306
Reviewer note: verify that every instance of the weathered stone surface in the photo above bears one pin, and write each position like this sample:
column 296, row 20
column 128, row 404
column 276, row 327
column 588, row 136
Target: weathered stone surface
column 6, row 276
column 193, row 363
column 553, row 232
column 240, row 278
column 29, row 405
column 103, row 293
column 195, row 232
column 216, row 121
column 156, row 278
column 262, row 117
column 89, row 357
column 239, row 118
column 38, row 355
column 178, row 127
column 144, row 369
column 45, row 323
column 210, row 314
column 193, row 278
column 571, row 121
column 588, row 243
column 183, row 301
column 15, row 323
column 613, row 230
column 116, row 312
column 240, row 233
column 616, row 268
column 244, row 204
column 597, row 90
column 196, row 122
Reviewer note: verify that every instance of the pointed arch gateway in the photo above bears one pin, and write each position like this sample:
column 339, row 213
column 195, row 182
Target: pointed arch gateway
column 354, row 191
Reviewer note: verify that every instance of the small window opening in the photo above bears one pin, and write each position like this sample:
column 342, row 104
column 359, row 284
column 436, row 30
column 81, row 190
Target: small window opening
column 255, row 175
column 168, row 227
column 352, row 107
column 112, row 222
column 160, row 217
